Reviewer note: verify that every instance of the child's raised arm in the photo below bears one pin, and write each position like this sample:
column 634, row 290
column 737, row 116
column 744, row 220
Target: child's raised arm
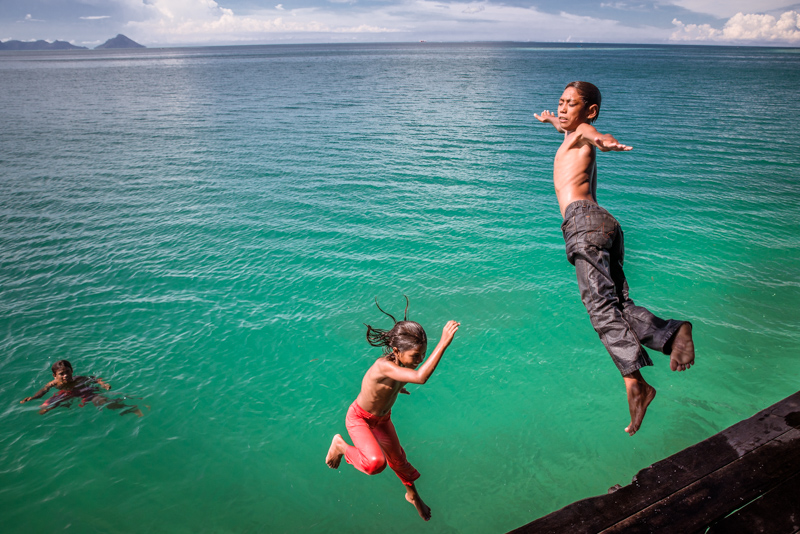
column 549, row 116
column 421, row 375
column 40, row 393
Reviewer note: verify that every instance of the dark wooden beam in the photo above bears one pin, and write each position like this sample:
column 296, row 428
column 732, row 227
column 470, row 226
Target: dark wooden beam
column 674, row 483
column 777, row 512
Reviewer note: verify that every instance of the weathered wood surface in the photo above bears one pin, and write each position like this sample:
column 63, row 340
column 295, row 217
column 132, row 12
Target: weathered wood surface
column 777, row 511
column 744, row 479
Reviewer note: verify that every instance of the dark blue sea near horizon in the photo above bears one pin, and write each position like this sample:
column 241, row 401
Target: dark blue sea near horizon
column 207, row 230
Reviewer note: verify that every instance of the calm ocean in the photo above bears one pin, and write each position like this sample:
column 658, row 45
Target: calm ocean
column 207, row 230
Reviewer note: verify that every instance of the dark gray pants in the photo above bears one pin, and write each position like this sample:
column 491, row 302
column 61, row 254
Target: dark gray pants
column 595, row 247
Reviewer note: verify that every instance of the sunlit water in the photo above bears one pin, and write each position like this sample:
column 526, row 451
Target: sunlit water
column 207, row 229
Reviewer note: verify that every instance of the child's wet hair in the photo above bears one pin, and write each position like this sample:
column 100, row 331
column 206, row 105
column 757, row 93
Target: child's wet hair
column 590, row 94
column 405, row 335
column 61, row 364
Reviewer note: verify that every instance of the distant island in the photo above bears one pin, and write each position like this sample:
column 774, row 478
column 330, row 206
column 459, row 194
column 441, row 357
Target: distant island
column 39, row 45
column 120, row 41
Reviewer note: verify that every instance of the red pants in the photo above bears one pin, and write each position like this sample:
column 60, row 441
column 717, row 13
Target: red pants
column 375, row 444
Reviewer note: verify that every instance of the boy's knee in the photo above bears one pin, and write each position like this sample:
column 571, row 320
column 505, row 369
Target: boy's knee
column 375, row 465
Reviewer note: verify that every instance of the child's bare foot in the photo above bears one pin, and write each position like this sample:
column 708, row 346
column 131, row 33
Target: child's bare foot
column 640, row 395
column 682, row 356
column 413, row 497
column 335, row 453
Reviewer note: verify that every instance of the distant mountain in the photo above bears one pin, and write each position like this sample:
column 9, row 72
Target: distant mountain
column 120, row 41
column 39, row 45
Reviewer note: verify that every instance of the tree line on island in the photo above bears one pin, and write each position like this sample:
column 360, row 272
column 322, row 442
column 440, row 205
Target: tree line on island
column 120, row 41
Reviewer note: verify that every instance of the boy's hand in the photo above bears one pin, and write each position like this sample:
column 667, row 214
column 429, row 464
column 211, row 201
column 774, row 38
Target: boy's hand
column 26, row 399
column 103, row 384
column 546, row 116
column 606, row 145
column 449, row 331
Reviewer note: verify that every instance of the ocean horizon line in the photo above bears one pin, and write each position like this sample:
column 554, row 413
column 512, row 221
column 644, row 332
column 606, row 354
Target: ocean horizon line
column 547, row 44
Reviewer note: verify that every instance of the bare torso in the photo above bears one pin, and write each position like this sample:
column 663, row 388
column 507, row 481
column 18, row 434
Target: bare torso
column 575, row 171
column 378, row 392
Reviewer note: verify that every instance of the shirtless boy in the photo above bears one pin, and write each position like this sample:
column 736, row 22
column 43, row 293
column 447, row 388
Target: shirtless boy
column 595, row 247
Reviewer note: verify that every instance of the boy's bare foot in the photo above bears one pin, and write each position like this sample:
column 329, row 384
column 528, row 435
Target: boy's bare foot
column 640, row 395
column 413, row 497
column 335, row 453
column 682, row 356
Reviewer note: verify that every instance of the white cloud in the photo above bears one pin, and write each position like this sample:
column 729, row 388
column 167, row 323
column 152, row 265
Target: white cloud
column 729, row 8
column 474, row 8
column 29, row 18
column 747, row 28
column 208, row 22
column 96, row 17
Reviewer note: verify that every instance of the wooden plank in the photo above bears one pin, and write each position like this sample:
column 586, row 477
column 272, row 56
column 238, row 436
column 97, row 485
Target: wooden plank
column 777, row 512
column 718, row 494
column 668, row 476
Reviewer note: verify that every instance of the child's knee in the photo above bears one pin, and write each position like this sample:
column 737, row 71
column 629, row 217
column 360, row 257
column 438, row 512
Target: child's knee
column 375, row 465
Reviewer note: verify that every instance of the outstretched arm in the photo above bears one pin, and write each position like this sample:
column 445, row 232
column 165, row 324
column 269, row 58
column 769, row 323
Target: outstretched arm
column 39, row 394
column 605, row 142
column 104, row 385
column 547, row 116
column 421, row 375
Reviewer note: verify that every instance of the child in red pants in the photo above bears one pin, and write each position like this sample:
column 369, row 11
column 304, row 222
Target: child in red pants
column 375, row 442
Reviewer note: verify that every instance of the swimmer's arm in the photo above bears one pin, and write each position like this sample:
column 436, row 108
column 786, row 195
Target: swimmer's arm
column 102, row 384
column 421, row 375
column 605, row 142
column 40, row 393
column 548, row 116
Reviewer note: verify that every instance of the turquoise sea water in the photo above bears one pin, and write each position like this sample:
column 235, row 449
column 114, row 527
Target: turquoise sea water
column 207, row 229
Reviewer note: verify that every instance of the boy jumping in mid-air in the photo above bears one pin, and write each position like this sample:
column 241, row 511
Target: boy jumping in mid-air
column 71, row 387
column 595, row 247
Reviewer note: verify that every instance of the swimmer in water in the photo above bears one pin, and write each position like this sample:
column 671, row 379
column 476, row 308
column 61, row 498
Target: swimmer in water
column 70, row 387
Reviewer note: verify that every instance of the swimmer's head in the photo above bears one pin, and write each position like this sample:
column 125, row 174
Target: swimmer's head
column 62, row 371
column 590, row 95
column 406, row 343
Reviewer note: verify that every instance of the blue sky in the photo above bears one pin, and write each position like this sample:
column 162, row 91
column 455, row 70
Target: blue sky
column 219, row 22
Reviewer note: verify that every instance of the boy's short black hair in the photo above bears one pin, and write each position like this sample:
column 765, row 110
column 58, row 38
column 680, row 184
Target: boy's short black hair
column 590, row 95
column 61, row 364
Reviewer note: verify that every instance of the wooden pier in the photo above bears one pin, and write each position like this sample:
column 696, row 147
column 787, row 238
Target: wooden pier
column 746, row 479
